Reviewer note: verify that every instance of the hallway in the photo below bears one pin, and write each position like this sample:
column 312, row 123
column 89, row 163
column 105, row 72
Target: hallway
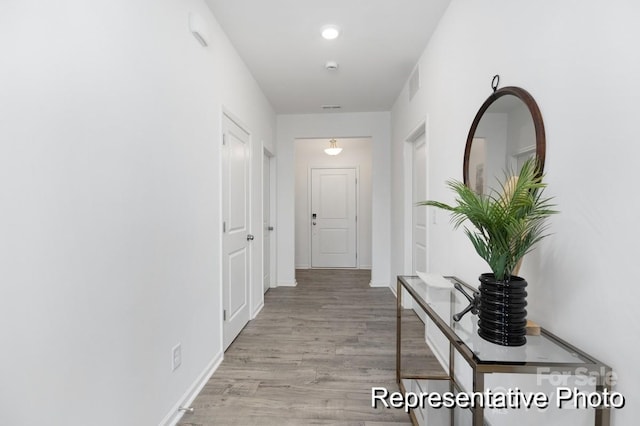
column 312, row 355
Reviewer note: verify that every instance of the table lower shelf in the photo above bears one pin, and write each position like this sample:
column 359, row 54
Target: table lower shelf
column 425, row 414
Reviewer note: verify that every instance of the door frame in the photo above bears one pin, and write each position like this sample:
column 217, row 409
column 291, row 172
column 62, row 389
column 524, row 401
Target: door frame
column 250, row 296
column 310, row 197
column 412, row 137
column 272, row 216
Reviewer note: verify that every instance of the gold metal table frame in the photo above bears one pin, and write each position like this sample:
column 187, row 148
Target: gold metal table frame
column 481, row 366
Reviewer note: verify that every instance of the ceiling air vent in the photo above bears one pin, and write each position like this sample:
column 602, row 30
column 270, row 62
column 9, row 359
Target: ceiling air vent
column 330, row 107
column 414, row 83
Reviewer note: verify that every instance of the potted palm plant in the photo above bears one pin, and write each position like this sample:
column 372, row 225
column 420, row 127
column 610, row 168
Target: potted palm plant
column 507, row 224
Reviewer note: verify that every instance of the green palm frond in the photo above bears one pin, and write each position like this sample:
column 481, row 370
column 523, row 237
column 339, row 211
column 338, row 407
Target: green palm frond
column 508, row 222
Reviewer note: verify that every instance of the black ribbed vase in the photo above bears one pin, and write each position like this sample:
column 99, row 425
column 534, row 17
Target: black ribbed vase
column 502, row 317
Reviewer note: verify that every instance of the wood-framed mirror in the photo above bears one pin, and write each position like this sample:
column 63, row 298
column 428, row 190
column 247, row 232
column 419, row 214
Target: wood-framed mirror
column 507, row 130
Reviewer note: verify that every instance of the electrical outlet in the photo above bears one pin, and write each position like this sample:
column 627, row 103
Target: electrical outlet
column 176, row 357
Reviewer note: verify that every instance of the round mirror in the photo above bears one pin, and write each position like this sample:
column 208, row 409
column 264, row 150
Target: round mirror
column 506, row 131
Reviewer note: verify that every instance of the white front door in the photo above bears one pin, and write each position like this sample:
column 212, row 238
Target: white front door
column 333, row 218
column 419, row 227
column 266, row 222
column 236, row 256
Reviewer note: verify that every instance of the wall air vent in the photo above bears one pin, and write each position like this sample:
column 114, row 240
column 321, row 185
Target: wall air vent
column 414, row 82
column 330, row 107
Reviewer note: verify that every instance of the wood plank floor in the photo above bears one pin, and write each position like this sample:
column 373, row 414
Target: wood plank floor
column 312, row 355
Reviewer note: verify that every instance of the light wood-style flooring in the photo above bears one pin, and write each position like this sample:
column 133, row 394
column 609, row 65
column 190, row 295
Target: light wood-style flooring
column 312, row 355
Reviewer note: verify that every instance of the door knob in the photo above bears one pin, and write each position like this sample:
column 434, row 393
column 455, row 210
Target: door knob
column 270, row 228
column 250, row 237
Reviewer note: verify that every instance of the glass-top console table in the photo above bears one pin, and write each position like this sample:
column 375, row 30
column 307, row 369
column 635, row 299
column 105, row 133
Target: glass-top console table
column 543, row 354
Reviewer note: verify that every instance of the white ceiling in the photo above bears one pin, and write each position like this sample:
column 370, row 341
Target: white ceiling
column 279, row 40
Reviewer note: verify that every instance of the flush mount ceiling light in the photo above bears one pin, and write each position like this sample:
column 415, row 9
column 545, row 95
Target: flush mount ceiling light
column 331, row 65
column 330, row 32
column 333, row 148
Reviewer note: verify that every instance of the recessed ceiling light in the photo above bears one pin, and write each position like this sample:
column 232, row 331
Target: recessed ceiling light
column 330, row 32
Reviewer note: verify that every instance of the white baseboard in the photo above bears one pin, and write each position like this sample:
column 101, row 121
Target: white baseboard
column 293, row 283
column 444, row 363
column 257, row 311
column 378, row 284
column 174, row 416
column 393, row 290
column 365, row 267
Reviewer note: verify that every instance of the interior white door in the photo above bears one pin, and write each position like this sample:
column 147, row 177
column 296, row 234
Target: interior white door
column 419, row 227
column 333, row 218
column 266, row 222
column 236, row 257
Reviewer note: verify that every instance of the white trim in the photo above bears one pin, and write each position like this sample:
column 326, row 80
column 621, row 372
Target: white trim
column 219, row 148
column 252, row 246
column 330, row 268
column 263, row 231
column 525, row 150
column 309, row 214
column 273, row 217
column 287, row 283
column 367, row 267
column 271, row 267
column 393, row 290
column 408, row 150
column 513, row 158
column 258, row 310
column 378, row 284
column 173, row 417
column 408, row 207
column 444, row 363
column 303, row 266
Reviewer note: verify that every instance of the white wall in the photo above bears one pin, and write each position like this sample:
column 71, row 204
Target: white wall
column 109, row 220
column 375, row 125
column 574, row 58
column 493, row 128
column 356, row 153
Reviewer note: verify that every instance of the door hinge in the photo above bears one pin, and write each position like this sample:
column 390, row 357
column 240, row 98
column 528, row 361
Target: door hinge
column 224, row 227
column 224, row 315
column 224, row 139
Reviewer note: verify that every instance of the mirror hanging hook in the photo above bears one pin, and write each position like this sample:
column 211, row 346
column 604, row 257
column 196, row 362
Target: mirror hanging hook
column 495, row 81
